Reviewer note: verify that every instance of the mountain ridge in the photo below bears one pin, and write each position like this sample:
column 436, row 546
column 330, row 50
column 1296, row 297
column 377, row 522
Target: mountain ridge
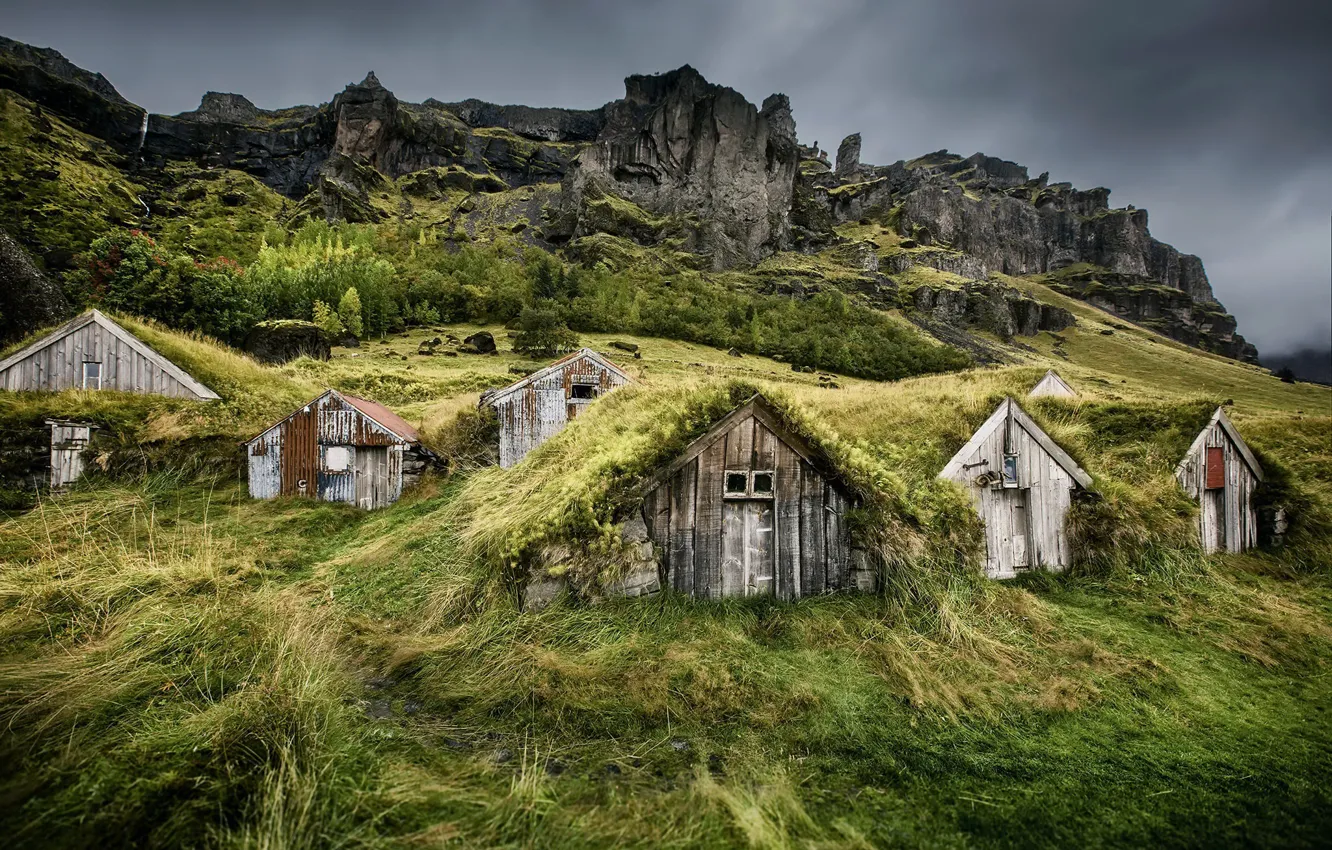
column 680, row 165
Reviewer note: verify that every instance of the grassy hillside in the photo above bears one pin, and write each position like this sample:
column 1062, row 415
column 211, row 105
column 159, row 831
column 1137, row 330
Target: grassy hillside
column 180, row 665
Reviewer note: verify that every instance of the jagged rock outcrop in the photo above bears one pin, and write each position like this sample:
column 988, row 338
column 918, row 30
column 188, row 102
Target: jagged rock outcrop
column 1001, row 310
column 86, row 99
column 986, row 215
column 550, row 124
column 679, row 146
column 848, row 157
column 28, row 299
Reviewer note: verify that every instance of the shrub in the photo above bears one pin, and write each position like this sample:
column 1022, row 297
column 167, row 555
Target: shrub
column 541, row 332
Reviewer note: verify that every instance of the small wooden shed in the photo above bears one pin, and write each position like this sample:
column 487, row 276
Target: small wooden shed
column 91, row 352
column 69, row 440
column 1022, row 484
column 1051, row 384
column 337, row 448
column 751, row 508
column 533, row 410
column 1221, row 474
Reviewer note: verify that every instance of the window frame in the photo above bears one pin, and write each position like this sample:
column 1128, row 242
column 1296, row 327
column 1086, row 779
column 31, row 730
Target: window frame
column 84, row 373
column 593, row 388
column 345, row 453
column 1006, row 481
column 749, row 492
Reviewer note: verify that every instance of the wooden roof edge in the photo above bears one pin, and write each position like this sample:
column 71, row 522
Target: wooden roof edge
column 766, row 412
column 316, row 399
column 1051, row 373
column 111, row 326
column 954, row 466
column 491, row 396
column 1231, row 431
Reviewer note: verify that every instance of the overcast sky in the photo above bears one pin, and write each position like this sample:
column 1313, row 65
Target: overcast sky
column 1215, row 116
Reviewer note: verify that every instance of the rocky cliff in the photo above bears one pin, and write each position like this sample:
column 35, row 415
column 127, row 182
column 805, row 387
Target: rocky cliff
column 678, row 166
column 987, row 215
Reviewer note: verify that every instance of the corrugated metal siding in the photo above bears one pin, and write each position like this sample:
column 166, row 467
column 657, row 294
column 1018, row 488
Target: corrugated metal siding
column 810, row 546
column 1044, row 495
column 295, row 451
column 1227, row 518
column 59, row 366
column 541, row 409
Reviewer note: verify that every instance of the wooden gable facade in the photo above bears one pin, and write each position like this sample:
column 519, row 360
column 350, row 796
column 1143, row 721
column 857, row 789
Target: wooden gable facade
column 533, row 410
column 1221, row 474
column 1051, row 384
column 750, row 508
column 1022, row 485
column 337, row 448
column 92, row 352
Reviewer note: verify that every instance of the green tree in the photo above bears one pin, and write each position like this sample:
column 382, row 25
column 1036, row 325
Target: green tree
column 541, row 332
column 325, row 318
column 349, row 310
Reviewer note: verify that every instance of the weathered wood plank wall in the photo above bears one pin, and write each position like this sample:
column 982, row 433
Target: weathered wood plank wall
column 717, row 545
column 1227, row 517
column 68, row 442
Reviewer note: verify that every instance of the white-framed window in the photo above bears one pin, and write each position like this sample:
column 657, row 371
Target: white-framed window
column 1010, row 470
column 92, row 375
column 337, row 458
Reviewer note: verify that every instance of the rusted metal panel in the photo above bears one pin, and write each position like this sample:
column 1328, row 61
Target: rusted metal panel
column 324, row 450
column 533, row 410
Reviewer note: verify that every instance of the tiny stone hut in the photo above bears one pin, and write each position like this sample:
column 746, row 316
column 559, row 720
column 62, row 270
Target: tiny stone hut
column 91, row 352
column 1052, row 385
column 533, row 410
column 1221, row 474
column 751, row 508
column 1022, row 485
column 337, row 448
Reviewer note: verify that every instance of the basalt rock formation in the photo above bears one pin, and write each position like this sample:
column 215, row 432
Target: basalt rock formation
column 678, row 146
column 679, row 165
column 29, row 300
column 984, row 215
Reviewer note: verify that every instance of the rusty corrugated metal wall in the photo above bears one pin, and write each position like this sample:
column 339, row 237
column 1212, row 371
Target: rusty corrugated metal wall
column 531, row 414
column 292, row 457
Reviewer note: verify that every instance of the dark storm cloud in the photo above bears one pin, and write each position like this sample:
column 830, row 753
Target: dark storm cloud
column 1215, row 116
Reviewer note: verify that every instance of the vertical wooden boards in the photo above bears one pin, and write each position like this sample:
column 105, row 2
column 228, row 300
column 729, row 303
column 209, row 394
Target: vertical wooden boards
column 760, row 575
column 813, row 555
column 788, row 490
column 708, row 521
column 836, row 538
column 766, row 447
column 683, row 501
column 1215, row 474
column 737, row 525
column 740, row 445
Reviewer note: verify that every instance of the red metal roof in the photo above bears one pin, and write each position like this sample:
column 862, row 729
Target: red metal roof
column 385, row 417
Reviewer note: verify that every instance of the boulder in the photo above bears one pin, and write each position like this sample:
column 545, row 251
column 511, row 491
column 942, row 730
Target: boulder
column 482, row 342
column 28, row 299
column 281, row 340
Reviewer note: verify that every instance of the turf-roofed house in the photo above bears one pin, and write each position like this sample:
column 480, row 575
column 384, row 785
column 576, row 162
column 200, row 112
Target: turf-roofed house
column 752, row 508
column 337, row 448
column 1022, row 485
column 1220, row 472
column 92, row 352
column 533, row 410
column 1051, row 384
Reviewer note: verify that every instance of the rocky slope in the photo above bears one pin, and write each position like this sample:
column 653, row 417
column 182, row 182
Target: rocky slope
column 679, row 167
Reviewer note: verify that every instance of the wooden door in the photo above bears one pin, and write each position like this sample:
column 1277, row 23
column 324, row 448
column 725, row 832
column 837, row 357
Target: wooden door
column 748, row 565
column 1019, row 528
column 1213, row 519
column 372, row 482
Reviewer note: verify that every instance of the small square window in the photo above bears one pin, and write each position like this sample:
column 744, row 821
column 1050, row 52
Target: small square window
column 763, row 483
column 583, row 391
column 737, row 482
column 92, row 375
column 337, row 458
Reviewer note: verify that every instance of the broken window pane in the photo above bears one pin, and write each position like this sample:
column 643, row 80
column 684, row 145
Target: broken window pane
column 737, row 482
column 762, row 482
column 585, row 391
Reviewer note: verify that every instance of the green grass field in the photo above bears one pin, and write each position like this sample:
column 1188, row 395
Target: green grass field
column 182, row 666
